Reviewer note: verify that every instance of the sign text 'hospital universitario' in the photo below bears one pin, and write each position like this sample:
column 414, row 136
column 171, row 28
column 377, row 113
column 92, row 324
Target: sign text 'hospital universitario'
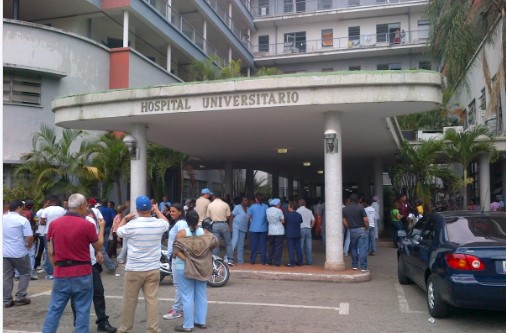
column 222, row 101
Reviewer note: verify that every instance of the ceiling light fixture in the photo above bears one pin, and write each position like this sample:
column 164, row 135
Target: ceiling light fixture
column 282, row 150
column 306, row 164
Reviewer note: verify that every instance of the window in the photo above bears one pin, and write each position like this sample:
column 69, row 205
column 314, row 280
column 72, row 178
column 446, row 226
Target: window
column 263, row 43
column 324, row 4
column 423, row 29
column 295, row 42
column 327, row 37
column 298, row 5
column 483, row 99
column 353, row 36
column 389, row 32
column 22, row 88
column 263, row 7
column 385, row 67
column 354, row 68
column 424, row 65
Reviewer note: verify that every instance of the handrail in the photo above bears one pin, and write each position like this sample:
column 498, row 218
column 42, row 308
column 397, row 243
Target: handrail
column 416, row 37
column 309, row 6
column 179, row 22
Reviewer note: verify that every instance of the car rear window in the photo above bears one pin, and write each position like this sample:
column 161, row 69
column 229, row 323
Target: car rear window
column 472, row 229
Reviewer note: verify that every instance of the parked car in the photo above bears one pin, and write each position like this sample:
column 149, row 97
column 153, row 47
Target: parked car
column 458, row 258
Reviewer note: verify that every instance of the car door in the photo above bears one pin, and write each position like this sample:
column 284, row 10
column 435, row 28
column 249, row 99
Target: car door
column 422, row 252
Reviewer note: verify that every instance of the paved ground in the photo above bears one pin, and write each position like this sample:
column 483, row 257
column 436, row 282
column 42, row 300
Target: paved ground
column 252, row 304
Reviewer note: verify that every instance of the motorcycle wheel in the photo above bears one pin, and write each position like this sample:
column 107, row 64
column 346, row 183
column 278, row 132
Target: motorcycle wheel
column 162, row 277
column 220, row 275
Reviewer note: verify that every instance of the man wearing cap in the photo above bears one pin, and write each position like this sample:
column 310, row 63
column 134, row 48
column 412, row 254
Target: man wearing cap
column 201, row 204
column 49, row 214
column 17, row 240
column 143, row 262
column 219, row 212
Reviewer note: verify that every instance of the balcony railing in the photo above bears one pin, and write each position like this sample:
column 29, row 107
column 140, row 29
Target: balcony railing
column 179, row 22
column 282, row 7
column 229, row 22
column 417, row 37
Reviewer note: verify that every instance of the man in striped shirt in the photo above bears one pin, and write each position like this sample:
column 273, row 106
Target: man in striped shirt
column 144, row 234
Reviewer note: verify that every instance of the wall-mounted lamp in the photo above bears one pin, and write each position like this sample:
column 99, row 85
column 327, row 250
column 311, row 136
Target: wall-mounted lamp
column 331, row 142
column 131, row 143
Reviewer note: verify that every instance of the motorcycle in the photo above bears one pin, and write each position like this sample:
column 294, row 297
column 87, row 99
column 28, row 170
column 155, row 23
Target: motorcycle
column 218, row 278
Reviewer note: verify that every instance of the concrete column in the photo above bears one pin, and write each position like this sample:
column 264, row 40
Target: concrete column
column 169, row 58
column 138, row 167
column 334, row 259
column 229, row 178
column 275, row 184
column 378, row 189
column 290, row 188
column 484, row 183
column 169, row 10
column 503, row 176
column 125, row 28
column 250, row 183
column 204, row 35
column 230, row 15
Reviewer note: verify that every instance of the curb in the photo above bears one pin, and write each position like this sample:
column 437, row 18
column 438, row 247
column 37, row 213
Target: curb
column 344, row 277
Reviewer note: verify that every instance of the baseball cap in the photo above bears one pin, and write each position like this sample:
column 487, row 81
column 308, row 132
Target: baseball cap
column 206, row 191
column 143, row 203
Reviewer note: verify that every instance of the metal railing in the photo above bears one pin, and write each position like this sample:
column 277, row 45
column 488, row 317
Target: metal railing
column 282, row 7
column 179, row 22
column 367, row 41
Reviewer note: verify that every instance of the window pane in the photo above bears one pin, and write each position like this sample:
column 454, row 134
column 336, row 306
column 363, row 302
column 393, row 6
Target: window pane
column 327, row 37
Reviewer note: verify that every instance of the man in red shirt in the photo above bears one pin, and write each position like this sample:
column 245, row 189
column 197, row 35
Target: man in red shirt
column 69, row 238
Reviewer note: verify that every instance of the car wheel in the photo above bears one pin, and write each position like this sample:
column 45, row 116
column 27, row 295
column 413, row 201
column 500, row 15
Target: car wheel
column 401, row 272
column 437, row 308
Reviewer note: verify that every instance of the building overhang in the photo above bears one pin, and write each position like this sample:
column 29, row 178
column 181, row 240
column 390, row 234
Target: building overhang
column 244, row 121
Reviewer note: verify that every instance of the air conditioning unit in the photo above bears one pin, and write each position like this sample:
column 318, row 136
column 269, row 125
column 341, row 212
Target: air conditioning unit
column 263, row 11
column 458, row 129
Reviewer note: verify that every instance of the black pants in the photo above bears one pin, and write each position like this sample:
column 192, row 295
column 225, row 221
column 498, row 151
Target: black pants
column 275, row 249
column 98, row 297
column 39, row 250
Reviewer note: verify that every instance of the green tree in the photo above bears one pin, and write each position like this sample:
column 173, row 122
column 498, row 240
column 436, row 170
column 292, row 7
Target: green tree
column 233, row 69
column 417, row 170
column 464, row 147
column 110, row 156
column 267, row 71
column 205, row 70
column 55, row 166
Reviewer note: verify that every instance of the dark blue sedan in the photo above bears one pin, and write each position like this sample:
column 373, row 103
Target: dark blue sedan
column 458, row 258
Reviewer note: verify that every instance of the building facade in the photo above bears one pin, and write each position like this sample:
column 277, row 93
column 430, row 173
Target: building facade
column 58, row 48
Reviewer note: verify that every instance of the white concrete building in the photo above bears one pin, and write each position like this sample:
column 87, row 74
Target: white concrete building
column 56, row 47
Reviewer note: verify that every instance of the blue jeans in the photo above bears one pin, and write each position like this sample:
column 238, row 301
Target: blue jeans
column 306, row 244
column 294, row 248
column 372, row 240
column 359, row 247
column 194, row 296
column 258, row 242
column 80, row 288
column 238, row 237
column 221, row 230
column 107, row 232
column 346, row 242
column 47, row 265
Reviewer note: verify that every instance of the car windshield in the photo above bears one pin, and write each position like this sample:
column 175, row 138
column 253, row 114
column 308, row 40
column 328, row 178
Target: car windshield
column 473, row 229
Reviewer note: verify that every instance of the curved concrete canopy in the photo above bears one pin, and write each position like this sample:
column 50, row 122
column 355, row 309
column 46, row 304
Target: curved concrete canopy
column 245, row 120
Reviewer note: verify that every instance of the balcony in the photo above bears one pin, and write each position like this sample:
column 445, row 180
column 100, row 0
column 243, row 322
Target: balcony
column 296, row 7
column 340, row 44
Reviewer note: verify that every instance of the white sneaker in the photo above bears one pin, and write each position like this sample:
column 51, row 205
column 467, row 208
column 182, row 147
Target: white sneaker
column 173, row 314
column 42, row 270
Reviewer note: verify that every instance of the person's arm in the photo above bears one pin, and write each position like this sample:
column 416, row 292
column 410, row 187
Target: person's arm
column 50, row 251
column 180, row 254
column 366, row 221
column 100, row 242
column 312, row 220
column 29, row 241
column 99, row 257
column 158, row 213
column 345, row 222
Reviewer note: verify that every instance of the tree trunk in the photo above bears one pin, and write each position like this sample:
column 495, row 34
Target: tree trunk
column 464, row 195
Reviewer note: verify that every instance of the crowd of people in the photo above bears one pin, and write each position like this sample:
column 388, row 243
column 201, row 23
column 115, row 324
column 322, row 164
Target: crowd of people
column 73, row 241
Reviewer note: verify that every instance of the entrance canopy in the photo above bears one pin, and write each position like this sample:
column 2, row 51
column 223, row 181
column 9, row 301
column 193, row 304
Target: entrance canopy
column 245, row 121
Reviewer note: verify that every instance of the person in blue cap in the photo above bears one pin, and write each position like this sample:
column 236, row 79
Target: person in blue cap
column 202, row 202
column 143, row 262
column 276, row 232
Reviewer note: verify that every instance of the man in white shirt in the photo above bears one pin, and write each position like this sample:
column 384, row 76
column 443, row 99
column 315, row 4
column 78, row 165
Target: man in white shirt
column 219, row 212
column 17, row 240
column 305, row 231
column 49, row 214
column 142, row 270
column 202, row 203
column 371, row 216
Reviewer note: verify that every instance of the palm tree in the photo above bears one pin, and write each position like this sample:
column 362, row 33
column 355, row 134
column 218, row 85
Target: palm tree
column 205, row 70
column 267, row 71
column 464, row 147
column 55, row 166
column 233, row 69
column 110, row 156
column 417, row 170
